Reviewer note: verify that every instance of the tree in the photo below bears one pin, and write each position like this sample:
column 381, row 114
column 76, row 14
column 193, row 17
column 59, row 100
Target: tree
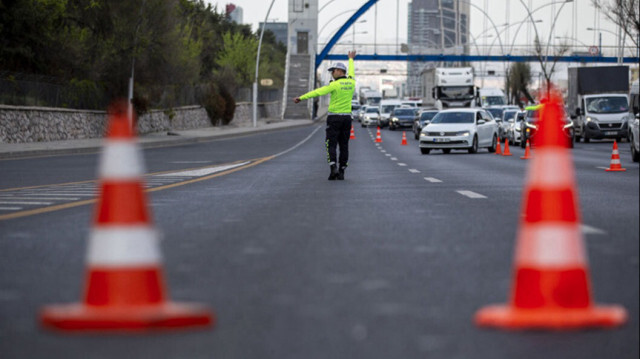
column 519, row 81
column 541, row 52
column 239, row 55
column 624, row 13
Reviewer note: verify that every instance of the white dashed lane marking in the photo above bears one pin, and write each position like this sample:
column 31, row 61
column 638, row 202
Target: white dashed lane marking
column 413, row 170
column 402, row 164
column 394, row 159
column 471, row 194
column 387, row 154
column 432, row 180
column 591, row 230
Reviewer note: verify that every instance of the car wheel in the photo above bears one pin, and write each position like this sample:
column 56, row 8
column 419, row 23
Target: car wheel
column 474, row 145
column 363, row 126
column 446, row 151
column 425, row 151
column 576, row 138
column 585, row 137
column 523, row 143
column 494, row 144
column 415, row 135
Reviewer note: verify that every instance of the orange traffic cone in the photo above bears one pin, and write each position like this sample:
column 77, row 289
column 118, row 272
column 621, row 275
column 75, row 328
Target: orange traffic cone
column 404, row 139
column 378, row 137
column 125, row 289
column 353, row 134
column 506, row 148
column 526, row 152
column 498, row 148
column 551, row 287
column 615, row 165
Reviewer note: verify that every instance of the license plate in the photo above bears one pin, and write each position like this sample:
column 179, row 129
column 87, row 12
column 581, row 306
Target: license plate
column 440, row 140
column 611, row 133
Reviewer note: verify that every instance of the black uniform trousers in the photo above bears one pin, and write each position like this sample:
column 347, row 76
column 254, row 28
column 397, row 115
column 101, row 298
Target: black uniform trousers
column 338, row 132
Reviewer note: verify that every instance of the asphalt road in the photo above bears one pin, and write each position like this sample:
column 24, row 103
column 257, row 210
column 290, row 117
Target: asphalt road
column 391, row 263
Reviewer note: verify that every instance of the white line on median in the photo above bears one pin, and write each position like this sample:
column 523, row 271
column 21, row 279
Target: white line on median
column 432, row 180
column 471, row 194
column 413, row 170
column 203, row 171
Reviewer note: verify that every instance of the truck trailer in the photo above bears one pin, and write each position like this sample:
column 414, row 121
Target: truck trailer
column 448, row 87
column 598, row 102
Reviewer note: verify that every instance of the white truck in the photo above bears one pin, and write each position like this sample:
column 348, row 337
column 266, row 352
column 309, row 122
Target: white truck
column 371, row 98
column 491, row 96
column 448, row 87
column 598, row 98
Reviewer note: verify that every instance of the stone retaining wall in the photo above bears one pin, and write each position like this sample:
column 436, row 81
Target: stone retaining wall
column 38, row 124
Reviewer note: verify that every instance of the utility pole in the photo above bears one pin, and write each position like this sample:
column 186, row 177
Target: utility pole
column 255, row 82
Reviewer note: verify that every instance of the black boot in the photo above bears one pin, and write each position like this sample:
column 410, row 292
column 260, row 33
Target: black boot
column 341, row 172
column 334, row 173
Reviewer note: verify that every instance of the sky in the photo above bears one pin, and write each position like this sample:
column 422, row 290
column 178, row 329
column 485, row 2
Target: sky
column 383, row 31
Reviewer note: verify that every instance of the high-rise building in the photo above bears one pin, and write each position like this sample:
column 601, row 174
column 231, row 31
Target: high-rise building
column 435, row 27
column 279, row 29
column 234, row 13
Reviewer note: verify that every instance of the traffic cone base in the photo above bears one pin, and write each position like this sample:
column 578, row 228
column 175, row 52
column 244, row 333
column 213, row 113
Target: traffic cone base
column 80, row 317
column 508, row 317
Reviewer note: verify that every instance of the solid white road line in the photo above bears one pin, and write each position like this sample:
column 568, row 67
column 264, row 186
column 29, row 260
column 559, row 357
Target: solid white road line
column 591, row 230
column 40, row 198
column 185, row 162
column 471, row 194
column 27, row 203
column 10, row 208
column 413, row 170
column 603, row 168
column 432, row 180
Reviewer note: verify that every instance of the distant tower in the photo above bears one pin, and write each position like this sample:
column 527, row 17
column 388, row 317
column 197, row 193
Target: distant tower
column 234, row 13
column 435, row 27
column 303, row 26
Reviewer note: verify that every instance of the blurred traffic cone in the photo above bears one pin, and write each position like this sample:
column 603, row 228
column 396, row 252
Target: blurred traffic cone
column 506, row 148
column 125, row 289
column 526, row 152
column 404, row 139
column 551, row 287
column 498, row 148
column 353, row 134
column 378, row 137
column 615, row 165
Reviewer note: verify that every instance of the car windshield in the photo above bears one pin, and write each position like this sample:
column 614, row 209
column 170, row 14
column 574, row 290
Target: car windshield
column 496, row 112
column 372, row 110
column 404, row 112
column 454, row 117
column 427, row 116
column 492, row 100
column 456, row 92
column 507, row 115
column 388, row 108
column 607, row 105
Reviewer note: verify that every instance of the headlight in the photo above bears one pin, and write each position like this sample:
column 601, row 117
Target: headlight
column 395, row 119
column 592, row 119
column 422, row 134
column 462, row 133
column 518, row 129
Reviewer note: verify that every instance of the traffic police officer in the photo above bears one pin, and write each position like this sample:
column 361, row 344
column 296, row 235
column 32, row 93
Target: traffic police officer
column 339, row 117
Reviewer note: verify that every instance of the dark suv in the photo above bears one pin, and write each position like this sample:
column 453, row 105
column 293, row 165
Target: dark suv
column 422, row 119
column 402, row 117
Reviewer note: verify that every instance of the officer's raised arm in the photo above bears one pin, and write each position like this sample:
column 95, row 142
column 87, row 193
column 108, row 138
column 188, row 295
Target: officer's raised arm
column 352, row 70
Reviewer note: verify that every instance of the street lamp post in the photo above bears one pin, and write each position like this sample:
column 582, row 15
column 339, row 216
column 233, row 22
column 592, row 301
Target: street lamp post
column 255, row 82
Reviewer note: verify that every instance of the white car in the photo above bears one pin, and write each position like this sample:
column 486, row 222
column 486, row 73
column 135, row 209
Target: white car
column 513, row 129
column 370, row 116
column 464, row 129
